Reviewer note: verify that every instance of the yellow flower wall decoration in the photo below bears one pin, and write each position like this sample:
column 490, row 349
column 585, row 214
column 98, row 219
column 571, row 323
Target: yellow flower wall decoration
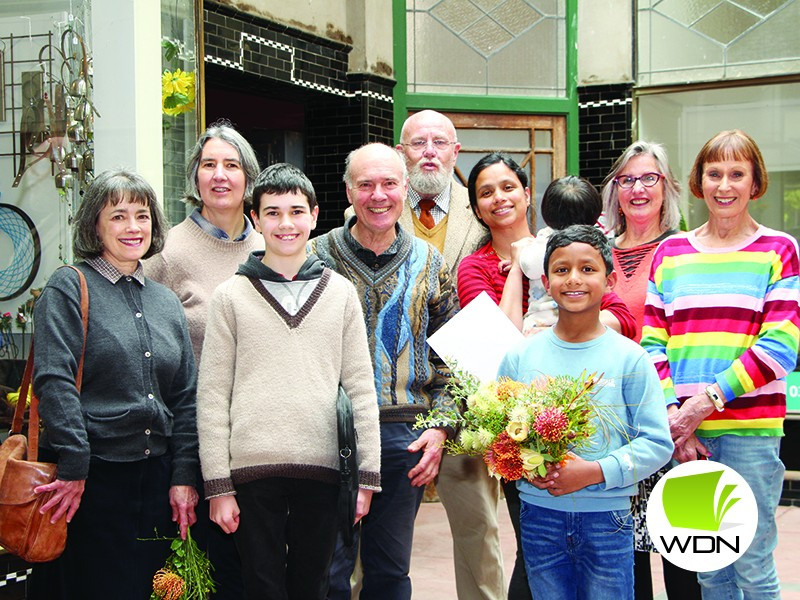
column 177, row 92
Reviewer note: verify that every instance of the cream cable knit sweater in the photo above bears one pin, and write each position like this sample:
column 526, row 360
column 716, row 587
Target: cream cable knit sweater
column 192, row 264
column 266, row 401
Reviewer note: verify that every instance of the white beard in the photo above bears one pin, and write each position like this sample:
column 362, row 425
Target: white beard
column 425, row 183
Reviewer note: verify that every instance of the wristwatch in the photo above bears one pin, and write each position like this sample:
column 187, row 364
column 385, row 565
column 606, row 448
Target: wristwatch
column 715, row 398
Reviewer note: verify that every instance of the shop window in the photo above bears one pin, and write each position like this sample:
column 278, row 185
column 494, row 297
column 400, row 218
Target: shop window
column 179, row 100
column 46, row 155
column 684, row 120
column 706, row 40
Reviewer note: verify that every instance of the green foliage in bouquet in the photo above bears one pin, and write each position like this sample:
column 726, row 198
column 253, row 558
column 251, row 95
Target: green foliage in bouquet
column 186, row 574
column 519, row 428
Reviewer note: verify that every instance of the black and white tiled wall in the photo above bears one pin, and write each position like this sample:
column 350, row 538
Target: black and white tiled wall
column 605, row 117
column 14, row 574
column 342, row 110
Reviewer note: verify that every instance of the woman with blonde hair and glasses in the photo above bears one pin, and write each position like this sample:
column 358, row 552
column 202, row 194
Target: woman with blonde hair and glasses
column 640, row 200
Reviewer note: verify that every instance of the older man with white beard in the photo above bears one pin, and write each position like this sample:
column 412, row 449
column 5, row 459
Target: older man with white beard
column 437, row 210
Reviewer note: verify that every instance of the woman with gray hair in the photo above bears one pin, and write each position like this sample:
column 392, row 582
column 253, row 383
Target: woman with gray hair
column 206, row 248
column 126, row 442
column 201, row 252
column 640, row 201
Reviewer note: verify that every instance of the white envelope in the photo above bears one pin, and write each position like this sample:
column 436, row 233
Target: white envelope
column 476, row 339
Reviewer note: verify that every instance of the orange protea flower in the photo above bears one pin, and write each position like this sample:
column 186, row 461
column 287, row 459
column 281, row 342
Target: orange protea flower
column 168, row 585
column 551, row 424
column 506, row 388
column 503, row 458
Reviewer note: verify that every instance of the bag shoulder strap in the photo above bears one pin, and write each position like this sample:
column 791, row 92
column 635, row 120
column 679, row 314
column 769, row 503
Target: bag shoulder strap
column 33, row 418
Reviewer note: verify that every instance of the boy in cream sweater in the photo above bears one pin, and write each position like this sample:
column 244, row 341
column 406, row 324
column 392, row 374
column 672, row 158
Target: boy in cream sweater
column 266, row 416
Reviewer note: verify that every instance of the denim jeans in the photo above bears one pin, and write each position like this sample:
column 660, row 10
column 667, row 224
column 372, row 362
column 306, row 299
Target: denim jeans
column 753, row 575
column 388, row 529
column 578, row 555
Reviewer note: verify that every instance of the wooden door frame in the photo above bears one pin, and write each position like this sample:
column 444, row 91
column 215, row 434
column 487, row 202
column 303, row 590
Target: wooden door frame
column 557, row 124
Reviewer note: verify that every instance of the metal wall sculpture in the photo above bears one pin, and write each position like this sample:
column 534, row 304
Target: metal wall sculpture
column 57, row 118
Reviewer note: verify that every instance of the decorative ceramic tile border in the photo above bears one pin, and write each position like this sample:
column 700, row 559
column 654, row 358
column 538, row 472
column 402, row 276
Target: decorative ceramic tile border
column 294, row 78
column 16, row 577
column 599, row 103
column 604, row 127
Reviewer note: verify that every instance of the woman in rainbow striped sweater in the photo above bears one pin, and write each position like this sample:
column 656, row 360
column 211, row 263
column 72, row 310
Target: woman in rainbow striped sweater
column 721, row 324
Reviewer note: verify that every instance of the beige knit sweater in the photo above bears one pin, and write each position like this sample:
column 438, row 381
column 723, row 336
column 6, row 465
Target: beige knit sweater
column 268, row 383
column 192, row 264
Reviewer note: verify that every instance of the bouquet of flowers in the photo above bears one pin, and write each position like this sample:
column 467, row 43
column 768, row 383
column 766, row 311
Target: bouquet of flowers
column 518, row 428
column 186, row 574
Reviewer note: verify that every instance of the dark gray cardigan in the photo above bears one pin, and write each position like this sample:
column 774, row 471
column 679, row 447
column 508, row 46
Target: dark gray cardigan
column 139, row 378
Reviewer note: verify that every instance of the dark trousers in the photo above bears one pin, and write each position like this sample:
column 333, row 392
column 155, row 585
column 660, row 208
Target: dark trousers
column 387, row 532
column 105, row 556
column 286, row 537
column 221, row 551
column 680, row 584
column 518, row 588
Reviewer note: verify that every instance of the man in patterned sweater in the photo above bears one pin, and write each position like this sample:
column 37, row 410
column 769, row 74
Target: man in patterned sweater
column 405, row 290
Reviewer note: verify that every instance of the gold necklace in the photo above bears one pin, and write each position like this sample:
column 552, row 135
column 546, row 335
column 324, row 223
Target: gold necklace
column 497, row 254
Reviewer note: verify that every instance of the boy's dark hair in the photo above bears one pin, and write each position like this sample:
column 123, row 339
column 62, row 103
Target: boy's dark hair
column 484, row 163
column 583, row 234
column 571, row 201
column 283, row 178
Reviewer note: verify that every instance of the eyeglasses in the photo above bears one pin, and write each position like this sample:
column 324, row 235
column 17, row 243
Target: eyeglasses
column 628, row 181
column 422, row 144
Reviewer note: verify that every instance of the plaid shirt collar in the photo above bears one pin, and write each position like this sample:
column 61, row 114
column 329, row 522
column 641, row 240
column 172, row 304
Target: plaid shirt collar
column 110, row 272
column 441, row 200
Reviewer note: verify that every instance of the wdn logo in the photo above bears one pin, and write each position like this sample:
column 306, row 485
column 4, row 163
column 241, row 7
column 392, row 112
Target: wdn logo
column 702, row 516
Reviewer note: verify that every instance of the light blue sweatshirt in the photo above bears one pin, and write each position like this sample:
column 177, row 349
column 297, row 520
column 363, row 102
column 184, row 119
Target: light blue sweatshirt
column 631, row 442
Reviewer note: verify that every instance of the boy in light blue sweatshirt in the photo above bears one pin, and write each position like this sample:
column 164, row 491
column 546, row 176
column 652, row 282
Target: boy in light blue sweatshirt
column 576, row 524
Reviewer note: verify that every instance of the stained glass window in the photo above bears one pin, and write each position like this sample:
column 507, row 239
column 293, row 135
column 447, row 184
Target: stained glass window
column 684, row 41
column 487, row 47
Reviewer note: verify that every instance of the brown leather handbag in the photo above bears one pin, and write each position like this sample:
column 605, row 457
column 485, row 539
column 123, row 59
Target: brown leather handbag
column 25, row 532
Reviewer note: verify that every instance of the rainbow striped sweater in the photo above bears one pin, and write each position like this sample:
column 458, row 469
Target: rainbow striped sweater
column 730, row 316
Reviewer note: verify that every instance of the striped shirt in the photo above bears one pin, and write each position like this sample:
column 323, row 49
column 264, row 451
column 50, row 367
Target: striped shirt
column 730, row 316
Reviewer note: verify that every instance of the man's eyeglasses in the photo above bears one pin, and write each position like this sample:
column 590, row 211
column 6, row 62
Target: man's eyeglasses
column 628, row 181
column 422, row 144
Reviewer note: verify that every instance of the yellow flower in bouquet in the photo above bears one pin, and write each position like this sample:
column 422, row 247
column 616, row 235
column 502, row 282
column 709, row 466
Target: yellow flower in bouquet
column 468, row 439
column 484, row 438
column 531, row 460
column 519, row 428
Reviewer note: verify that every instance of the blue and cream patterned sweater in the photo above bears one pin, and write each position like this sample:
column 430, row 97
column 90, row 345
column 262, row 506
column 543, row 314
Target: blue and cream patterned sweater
column 406, row 298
